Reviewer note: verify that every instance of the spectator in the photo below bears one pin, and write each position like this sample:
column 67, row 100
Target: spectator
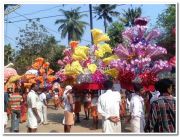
column 137, row 117
column 15, row 101
column 109, row 108
column 33, row 116
column 162, row 114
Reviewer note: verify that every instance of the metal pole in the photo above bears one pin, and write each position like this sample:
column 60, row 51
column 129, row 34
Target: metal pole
column 91, row 21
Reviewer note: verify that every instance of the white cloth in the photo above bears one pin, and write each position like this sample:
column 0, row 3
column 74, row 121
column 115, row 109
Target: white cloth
column 42, row 97
column 44, row 114
column 43, row 111
column 127, row 104
column 137, row 125
column 155, row 96
column 137, row 106
column 40, row 109
column 5, row 118
column 32, row 101
column 137, row 113
column 67, row 106
column 109, row 105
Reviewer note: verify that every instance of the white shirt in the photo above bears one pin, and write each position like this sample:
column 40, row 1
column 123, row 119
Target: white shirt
column 155, row 96
column 137, row 106
column 42, row 97
column 67, row 106
column 109, row 104
column 32, row 99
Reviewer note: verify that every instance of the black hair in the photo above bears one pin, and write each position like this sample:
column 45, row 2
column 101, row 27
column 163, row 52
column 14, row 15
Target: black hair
column 137, row 87
column 108, row 84
column 56, row 90
column 33, row 85
column 163, row 85
column 16, row 90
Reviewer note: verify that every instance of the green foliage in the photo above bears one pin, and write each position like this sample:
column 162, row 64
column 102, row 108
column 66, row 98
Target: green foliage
column 167, row 21
column 115, row 34
column 34, row 42
column 56, row 56
column 72, row 26
column 8, row 54
column 129, row 15
column 106, row 12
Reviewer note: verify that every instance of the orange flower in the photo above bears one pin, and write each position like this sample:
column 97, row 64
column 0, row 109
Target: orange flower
column 32, row 81
column 36, row 65
column 46, row 65
column 29, row 76
column 51, row 78
column 42, row 71
column 27, row 85
column 50, row 71
column 40, row 78
column 73, row 44
column 40, row 61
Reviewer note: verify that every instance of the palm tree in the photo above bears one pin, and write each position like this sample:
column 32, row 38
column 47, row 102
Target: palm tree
column 105, row 12
column 71, row 26
column 128, row 16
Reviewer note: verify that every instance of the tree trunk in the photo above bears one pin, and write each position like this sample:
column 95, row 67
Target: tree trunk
column 105, row 25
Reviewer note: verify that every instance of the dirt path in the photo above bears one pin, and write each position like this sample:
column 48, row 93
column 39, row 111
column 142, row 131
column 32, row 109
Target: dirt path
column 55, row 118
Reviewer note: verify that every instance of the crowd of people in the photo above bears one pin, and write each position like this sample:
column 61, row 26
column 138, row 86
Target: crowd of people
column 145, row 111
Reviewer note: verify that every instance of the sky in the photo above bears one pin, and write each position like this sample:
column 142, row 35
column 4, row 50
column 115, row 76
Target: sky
column 28, row 11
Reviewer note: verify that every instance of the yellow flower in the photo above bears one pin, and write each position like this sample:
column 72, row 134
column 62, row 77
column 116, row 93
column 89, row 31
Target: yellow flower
column 76, row 66
column 112, row 72
column 102, row 38
column 109, row 59
column 92, row 68
column 96, row 33
column 80, row 53
column 99, row 53
column 98, row 36
column 106, row 48
column 74, row 69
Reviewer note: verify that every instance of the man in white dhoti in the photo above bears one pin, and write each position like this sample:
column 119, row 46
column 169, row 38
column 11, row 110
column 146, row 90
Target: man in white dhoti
column 109, row 108
column 33, row 116
column 137, row 117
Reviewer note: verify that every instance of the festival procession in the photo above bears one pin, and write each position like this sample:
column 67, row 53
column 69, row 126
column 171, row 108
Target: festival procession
column 111, row 85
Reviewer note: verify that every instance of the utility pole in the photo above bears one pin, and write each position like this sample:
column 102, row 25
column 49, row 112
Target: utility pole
column 91, row 21
column 13, row 8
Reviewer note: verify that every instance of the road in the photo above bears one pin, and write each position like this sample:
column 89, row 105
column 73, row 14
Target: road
column 55, row 125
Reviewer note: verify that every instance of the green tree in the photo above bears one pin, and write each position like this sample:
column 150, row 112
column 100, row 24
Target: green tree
column 106, row 12
column 30, row 42
column 115, row 33
column 72, row 26
column 58, row 54
column 167, row 21
column 8, row 54
column 31, row 39
column 129, row 15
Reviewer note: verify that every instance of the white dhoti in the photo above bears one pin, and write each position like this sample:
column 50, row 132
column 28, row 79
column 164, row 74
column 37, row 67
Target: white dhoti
column 5, row 118
column 31, row 121
column 137, row 124
column 110, row 127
